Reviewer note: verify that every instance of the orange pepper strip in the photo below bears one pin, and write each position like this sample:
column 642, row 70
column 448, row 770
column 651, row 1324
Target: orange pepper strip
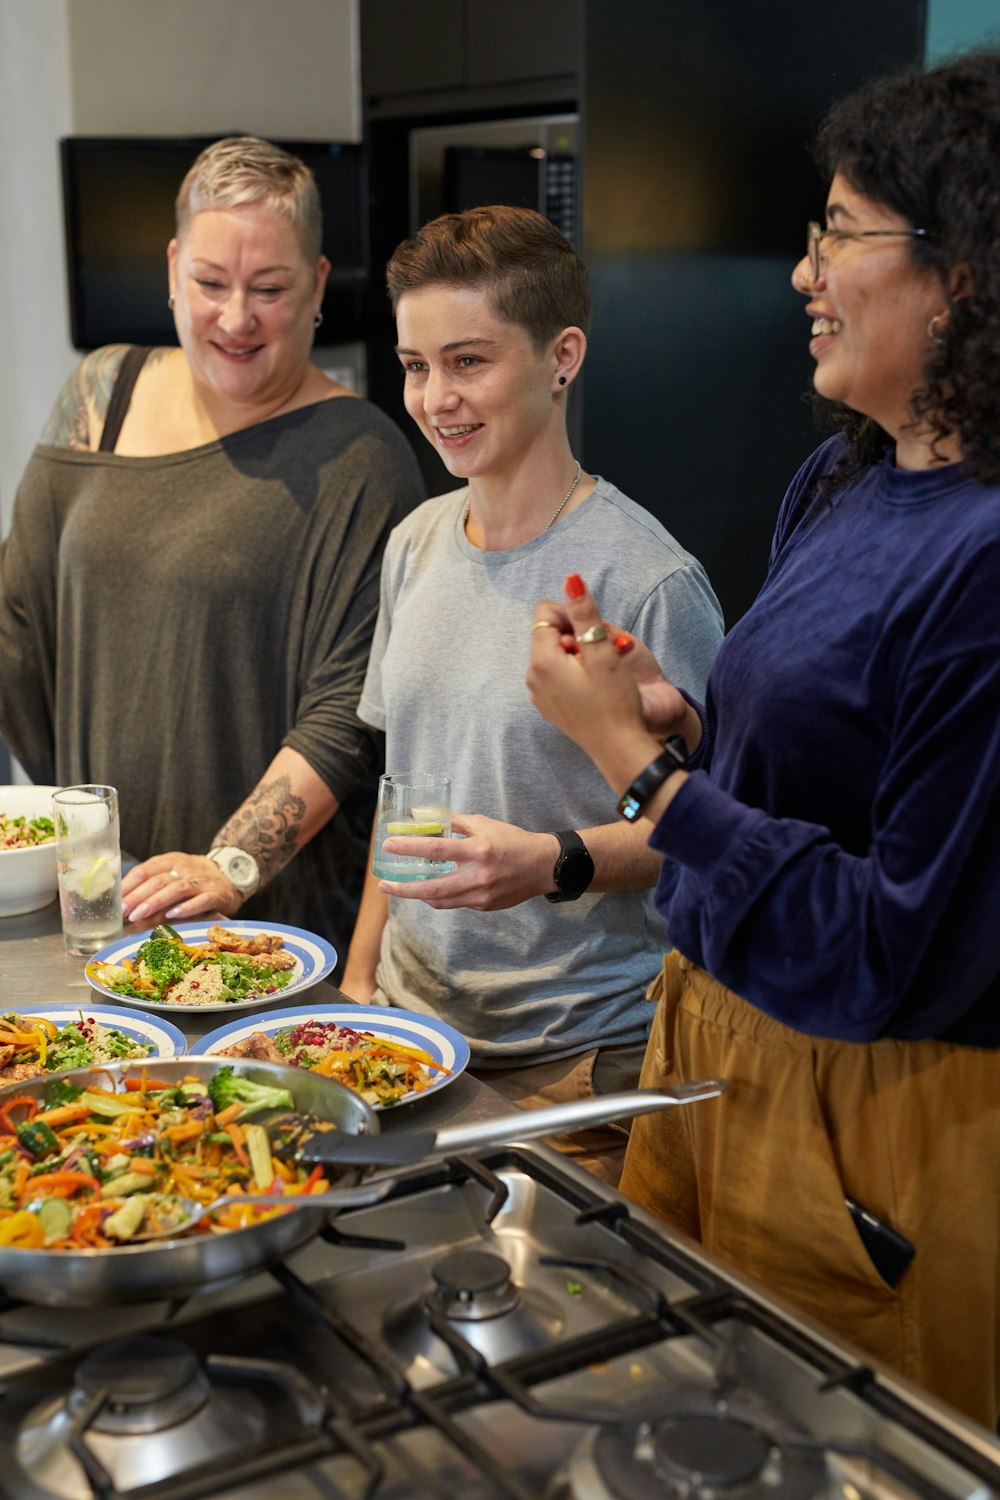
column 231, row 1112
column 143, row 1085
column 59, row 1184
column 189, row 1132
column 64, row 1114
column 238, row 1140
column 144, row 1165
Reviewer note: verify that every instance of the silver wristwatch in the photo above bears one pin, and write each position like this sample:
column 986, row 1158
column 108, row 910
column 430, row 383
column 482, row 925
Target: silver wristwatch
column 241, row 867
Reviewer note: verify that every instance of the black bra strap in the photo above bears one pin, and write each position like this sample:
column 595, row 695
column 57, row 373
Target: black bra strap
column 121, row 395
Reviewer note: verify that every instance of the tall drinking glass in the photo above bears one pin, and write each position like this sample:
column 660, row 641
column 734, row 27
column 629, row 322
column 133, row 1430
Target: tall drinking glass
column 415, row 804
column 89, row 862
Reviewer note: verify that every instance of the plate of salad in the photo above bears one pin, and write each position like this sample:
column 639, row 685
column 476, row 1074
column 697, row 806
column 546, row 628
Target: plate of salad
column 386, row 1055
column 199, row 966
column 47, row 1038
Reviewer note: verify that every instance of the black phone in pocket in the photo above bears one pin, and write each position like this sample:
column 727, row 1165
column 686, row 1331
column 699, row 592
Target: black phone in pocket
column 889, row 1251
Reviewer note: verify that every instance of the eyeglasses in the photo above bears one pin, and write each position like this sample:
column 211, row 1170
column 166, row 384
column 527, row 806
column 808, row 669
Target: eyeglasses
column 816, row 234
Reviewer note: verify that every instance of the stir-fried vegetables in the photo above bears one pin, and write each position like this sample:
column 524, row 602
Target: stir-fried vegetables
column 35, row 1039
column 92, row 1168
column 380, row 1069
column 231, row 968
column 24, row 833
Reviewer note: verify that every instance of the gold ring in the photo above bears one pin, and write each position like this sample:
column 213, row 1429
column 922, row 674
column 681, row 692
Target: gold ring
column 541, row 624
column 595, row 633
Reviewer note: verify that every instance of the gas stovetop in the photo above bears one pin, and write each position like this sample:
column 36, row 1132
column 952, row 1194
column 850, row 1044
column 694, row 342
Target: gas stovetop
column 499, row 1327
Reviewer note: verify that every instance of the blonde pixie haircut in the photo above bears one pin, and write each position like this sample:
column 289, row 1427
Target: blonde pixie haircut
column 244, row 169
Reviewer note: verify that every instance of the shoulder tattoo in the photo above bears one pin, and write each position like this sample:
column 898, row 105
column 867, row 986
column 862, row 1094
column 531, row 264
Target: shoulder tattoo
column 268, row 825
column 78, row 415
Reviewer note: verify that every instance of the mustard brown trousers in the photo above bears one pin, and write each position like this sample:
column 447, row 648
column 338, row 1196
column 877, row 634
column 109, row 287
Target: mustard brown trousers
column 910, row 1130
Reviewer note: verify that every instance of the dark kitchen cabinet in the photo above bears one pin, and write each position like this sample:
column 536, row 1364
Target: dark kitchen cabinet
column 523, row 39
column 698, row 180
column 413, row 49
column 406, row 47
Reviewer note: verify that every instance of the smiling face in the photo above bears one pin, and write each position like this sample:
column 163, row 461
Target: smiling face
column 478, row 388
column 245, row 298
column 870, row 309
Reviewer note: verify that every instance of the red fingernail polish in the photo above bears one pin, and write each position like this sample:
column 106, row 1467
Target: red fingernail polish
column 570, row 647
column 575, row 586
column 623, row 642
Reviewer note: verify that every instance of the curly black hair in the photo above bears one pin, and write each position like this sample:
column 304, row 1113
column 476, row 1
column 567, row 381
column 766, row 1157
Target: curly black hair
column 926, row 144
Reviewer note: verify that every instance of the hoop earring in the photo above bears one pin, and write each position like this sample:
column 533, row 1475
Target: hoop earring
column 936, row 327
column 318, row 320
column 170, row 301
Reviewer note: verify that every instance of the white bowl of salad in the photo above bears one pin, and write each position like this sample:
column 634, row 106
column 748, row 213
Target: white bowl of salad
column 27, row 849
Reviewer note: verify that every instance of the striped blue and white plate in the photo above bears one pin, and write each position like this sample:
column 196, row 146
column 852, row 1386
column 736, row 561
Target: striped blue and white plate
column 439, row 1040
column 314, row 958
column 166, row 1040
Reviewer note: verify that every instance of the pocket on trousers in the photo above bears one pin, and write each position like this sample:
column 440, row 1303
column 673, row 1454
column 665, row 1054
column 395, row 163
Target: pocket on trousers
column 838, row 1243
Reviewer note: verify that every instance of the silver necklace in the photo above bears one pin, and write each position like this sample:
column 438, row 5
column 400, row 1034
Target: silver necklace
column 561, row 507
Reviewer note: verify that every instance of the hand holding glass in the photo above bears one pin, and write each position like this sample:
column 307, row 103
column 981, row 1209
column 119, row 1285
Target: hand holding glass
column 413, row 804
column 89, row 862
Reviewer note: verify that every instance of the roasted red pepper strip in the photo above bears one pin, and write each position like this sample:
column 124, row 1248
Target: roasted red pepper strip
column 9, row 1126
column 59, row 1184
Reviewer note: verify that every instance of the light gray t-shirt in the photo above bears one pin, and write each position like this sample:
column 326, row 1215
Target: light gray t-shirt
column 446, row 682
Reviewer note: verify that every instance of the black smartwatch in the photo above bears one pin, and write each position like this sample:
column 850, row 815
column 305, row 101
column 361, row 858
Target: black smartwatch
column 673, row 757
column 573, row 870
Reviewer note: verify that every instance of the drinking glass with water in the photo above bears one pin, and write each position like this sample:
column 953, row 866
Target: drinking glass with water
column 89, row 862
column 415, row 804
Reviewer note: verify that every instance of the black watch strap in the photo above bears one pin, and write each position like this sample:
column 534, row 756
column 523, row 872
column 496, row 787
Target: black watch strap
column 673, row 757
column 573, row 870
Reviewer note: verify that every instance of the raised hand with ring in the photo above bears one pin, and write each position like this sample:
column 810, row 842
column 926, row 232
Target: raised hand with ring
column 593, row 633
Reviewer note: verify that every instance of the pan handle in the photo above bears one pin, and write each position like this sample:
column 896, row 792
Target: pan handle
column 582, row 1114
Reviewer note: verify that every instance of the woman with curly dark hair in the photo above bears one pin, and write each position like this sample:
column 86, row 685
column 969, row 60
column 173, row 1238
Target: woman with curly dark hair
column 830, row 821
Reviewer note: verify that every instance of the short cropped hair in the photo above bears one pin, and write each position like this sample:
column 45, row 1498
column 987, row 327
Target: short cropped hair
column 531, row 272
column 244, row 169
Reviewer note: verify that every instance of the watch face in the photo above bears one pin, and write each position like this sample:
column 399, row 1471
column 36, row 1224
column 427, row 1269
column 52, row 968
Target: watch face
column 574, row 872
column 241, row 869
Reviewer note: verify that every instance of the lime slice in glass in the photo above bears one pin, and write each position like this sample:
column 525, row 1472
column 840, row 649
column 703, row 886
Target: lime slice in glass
column 424, row 830
column 98, row 879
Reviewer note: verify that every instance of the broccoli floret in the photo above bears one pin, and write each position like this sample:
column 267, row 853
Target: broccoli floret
column 162, row 961
column 227, row 1088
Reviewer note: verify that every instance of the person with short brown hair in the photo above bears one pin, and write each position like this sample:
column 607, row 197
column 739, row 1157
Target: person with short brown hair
column 540, row 944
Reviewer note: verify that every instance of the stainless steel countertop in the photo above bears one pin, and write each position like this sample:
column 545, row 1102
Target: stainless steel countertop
column 35, row 969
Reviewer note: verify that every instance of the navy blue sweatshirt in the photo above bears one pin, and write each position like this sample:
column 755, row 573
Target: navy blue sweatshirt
column 835, row 859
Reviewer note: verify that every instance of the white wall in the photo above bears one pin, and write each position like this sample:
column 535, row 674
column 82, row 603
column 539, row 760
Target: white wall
column 35, row 110
column 138, row 67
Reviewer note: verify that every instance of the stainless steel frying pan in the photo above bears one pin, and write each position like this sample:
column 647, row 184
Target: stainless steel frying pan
column 183, row 1265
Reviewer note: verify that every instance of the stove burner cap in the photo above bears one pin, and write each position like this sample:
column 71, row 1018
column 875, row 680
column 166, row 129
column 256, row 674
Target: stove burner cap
column 713, row 1452
column 147, row 1383
column 472, row 1285
column 694, row 1445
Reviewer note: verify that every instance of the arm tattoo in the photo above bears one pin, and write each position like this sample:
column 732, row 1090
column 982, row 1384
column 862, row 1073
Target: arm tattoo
column 268, row 826
column 84, row 397
column 68, row 425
